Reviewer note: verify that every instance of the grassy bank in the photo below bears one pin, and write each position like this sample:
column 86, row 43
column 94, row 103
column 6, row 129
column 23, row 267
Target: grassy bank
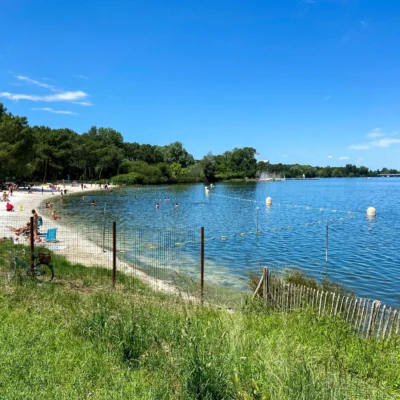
column 76, row 338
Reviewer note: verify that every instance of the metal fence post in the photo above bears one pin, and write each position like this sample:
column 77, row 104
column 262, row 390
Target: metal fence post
column 326, row 246
column 104, row 225
column 32, row 235
column 114, row 253
column 202, row 265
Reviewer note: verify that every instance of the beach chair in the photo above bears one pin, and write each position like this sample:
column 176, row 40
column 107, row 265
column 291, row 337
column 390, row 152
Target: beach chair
column 51, row 235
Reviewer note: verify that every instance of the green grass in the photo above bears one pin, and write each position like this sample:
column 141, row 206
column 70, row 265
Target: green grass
column 77, row 338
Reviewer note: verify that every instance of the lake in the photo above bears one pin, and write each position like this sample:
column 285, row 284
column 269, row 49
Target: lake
column 363, row 253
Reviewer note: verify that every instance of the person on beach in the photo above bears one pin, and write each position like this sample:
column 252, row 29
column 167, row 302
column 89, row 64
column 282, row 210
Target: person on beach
column 19, row 231
column 9, row 207
column 42, row 190
column 5, row 197
column 54, row 217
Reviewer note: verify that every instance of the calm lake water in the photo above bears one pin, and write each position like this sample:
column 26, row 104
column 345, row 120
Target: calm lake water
column 363, row 253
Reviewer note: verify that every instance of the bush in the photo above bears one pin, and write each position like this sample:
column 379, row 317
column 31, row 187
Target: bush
column 129, row 179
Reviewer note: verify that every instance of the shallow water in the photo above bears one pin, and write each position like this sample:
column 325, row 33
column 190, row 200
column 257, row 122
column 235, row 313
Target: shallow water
column 362, row 253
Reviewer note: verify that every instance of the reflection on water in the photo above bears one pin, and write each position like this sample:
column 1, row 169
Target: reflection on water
column 363, row 252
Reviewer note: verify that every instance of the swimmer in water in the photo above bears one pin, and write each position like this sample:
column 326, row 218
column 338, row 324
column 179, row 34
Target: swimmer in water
column 92, row 203
column 157, row 205
column 54, row 216
column 176, row 205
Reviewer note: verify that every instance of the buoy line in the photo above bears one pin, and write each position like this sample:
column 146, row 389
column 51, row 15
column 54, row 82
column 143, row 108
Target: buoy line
column 268, row 201
column 243, row 234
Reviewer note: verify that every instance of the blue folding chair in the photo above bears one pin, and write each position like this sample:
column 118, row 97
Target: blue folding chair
column 51, row 235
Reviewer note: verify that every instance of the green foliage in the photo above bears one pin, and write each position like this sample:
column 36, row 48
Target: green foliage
column 16, row 140
column 132, row 178
column 77, row 338
column 297, row 171
column 45, row 154
column 209, row 167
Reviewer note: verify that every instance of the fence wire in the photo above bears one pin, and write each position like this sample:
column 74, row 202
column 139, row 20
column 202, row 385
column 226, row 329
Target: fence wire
column 169, row 260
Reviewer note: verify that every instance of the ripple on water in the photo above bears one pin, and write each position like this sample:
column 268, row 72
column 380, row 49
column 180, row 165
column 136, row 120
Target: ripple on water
column 362, row 253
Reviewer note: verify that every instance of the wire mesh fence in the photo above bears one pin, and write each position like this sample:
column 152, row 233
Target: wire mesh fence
column 181, row 262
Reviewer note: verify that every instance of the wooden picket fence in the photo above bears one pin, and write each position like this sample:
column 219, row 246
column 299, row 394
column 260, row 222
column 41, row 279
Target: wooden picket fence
column 368, row 317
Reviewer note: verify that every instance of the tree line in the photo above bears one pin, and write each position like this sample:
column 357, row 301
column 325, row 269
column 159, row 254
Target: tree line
column 297, row 171
column 40, row 153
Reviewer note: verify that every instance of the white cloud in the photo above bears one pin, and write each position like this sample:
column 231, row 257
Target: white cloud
column 329, row 156
column 63, row 96
column 80, row 76
column 358, row 161
column 83, row 103
column 37, row 83
column 327, row 98
column 284, row 155
column 385, row 142
column 51, row 110
column 376, row 133
column 344, row 158
column 77, row 97
column 362, row 146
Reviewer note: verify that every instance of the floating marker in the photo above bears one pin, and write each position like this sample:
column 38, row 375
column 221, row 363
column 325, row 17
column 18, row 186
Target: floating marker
column 371, row 212
column 268, row 201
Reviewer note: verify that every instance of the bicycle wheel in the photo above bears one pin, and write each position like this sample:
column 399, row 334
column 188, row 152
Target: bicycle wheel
column 43, row 272
column 12, row 270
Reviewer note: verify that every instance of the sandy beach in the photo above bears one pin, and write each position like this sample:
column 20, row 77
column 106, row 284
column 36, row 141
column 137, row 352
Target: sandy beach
column 72, row 242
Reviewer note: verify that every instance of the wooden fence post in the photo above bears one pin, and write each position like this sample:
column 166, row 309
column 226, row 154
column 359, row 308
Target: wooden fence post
column 372, row 318
column 262, row 280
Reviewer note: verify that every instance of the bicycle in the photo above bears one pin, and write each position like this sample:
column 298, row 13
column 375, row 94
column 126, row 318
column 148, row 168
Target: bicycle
column 43, row 269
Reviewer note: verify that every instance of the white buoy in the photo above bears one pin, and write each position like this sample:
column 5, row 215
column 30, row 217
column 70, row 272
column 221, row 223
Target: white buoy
column 371, row 212
column 268, row 201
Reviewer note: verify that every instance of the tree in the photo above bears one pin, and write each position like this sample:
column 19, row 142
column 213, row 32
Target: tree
column 175, row 153
column 16, row 140
column 209, row 167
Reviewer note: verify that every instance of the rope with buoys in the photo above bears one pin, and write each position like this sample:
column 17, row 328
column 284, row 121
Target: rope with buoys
column 268, row 201
column 244, row 234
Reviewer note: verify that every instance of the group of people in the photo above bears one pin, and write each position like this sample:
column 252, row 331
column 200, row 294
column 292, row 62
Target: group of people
column 54, row 215
column 37, row 222
column 26, row 229
column 166, row 199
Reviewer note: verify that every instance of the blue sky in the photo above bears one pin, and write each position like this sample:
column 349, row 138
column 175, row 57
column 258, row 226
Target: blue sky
column 308, row 81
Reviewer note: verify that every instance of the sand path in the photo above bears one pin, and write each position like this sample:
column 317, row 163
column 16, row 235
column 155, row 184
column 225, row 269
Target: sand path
column 71, row 241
